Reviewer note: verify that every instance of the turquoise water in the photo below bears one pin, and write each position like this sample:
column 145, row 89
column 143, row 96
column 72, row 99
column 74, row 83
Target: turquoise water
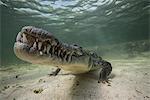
column 118, row 30
column 113, row 28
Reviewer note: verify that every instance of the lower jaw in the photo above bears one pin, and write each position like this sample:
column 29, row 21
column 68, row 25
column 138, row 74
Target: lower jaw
column 22, row 51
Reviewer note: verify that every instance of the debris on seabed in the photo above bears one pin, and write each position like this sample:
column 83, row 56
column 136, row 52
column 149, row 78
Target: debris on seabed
column 37, row 91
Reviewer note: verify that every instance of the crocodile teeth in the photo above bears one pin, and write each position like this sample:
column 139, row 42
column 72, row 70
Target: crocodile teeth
column 34, row 45
column 25, row 39
column 53, row 49
column 44, row 50
column 66, row 57
column 70, row 56
column 48, row 48
column 39, row 45
column 59, row 51
column 41, row 53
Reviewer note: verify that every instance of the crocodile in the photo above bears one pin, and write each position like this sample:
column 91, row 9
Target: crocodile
column 38, row 46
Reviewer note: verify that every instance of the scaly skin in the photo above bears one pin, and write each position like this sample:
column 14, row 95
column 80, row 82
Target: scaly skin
column 38, row 46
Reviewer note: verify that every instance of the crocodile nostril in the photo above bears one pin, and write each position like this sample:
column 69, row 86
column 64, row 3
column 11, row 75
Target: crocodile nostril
column 26, row 30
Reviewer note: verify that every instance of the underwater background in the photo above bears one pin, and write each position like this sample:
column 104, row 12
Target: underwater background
column 113, row 28
column 117, row 30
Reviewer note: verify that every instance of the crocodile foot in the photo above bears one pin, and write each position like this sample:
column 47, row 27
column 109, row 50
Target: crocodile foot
column 55, row 72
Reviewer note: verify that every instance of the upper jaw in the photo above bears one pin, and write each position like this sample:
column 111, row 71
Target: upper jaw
column 38, row 33
column 35, row 40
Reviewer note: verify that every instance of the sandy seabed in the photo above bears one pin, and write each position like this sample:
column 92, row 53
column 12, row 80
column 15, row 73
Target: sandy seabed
column 130, row 80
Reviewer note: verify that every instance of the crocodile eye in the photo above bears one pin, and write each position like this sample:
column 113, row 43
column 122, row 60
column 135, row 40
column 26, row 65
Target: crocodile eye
column 100, row 63
column 100, row 58
column 97, row 62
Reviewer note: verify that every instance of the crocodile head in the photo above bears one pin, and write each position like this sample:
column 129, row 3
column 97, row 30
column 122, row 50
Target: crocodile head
column 33, row 44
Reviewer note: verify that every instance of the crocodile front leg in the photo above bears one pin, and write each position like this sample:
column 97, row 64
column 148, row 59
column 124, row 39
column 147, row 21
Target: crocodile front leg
column 54, row 73
column 105, row 71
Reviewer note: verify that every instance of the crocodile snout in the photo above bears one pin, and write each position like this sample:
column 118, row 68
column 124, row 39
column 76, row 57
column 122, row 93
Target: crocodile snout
column 32, row 43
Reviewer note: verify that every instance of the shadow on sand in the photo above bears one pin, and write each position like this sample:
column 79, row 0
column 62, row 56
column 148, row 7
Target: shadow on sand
column 86, row 86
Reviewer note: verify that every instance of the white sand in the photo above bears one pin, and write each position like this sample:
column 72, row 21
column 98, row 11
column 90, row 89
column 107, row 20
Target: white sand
column 130, row 80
